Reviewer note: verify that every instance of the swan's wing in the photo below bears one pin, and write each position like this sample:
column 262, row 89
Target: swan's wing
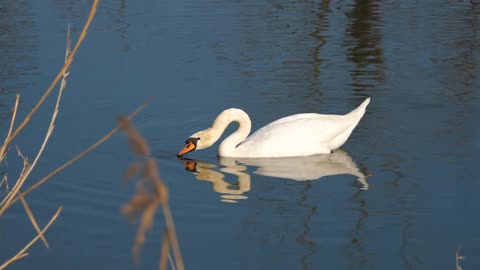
column 298, row 133
column 294, row 117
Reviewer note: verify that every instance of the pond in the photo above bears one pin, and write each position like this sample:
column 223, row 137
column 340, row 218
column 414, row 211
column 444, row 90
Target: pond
column 402, row 193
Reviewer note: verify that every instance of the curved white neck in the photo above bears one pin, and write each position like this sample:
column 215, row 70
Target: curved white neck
column 229, row 145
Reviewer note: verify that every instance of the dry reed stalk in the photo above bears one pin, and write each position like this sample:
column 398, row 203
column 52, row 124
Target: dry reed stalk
column 151, row 192
column 24, row 175
column 24, row 202
column 24, row 168
column 33, row 221
column 171, row 262
column 164, row 251
column 4, row 182
column 77, row 157
column 60, row 74
column 458, row 257
column 12, row 195
column 22, row 253
column 3, row 148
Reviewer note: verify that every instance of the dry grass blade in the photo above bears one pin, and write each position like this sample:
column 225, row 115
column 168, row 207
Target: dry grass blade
column 34, row 222
column 24, row 175
column 135, row 205
column 77, row 157
column 171, row 262
column 146, row 224
column 137, row 143
column 4, row 182
column 173, row 236
column 132, row 170
column 458, row 257
column 25, row 167
column 12, row 122
column 60, row 74
column 22, row 253
column 164, row 252
column 158, row 196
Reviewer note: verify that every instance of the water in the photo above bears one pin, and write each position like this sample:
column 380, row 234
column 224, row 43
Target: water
column 417, row 147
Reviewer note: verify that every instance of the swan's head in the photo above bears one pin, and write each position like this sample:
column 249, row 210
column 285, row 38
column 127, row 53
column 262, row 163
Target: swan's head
column 197, row 141
column 191, row 144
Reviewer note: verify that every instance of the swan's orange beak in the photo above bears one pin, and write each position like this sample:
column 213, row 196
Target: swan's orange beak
column 191, row 145
column 188, row 148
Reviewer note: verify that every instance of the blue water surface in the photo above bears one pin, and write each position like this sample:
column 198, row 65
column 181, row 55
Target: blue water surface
column 417, row 147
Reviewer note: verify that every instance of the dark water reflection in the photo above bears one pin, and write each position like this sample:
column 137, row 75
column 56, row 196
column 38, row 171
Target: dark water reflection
column 363, row 41
column 418, row 141
column 292, row 168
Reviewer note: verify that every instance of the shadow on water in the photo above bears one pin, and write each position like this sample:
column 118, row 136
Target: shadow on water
column 292, row 168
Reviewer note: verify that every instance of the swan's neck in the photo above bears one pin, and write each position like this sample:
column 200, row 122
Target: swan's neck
column 229, row 145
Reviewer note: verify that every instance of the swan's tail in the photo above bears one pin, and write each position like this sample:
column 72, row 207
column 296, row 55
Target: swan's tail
column 361, row 109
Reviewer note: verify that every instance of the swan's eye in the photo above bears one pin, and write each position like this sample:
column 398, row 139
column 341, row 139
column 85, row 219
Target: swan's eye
column 192, row 140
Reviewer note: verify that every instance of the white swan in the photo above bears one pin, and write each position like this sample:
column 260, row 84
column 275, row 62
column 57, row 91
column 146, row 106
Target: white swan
column 296, row 135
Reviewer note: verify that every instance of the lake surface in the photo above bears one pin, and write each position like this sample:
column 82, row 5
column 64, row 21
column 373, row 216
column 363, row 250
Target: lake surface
column 401, row 194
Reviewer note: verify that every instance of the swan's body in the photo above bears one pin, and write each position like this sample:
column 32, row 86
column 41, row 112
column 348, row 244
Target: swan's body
column 296, row 135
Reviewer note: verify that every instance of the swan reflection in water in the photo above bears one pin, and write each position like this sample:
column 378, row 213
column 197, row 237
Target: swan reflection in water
column 293, row 168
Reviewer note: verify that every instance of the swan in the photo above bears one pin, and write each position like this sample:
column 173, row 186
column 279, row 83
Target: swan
column 295, row 135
